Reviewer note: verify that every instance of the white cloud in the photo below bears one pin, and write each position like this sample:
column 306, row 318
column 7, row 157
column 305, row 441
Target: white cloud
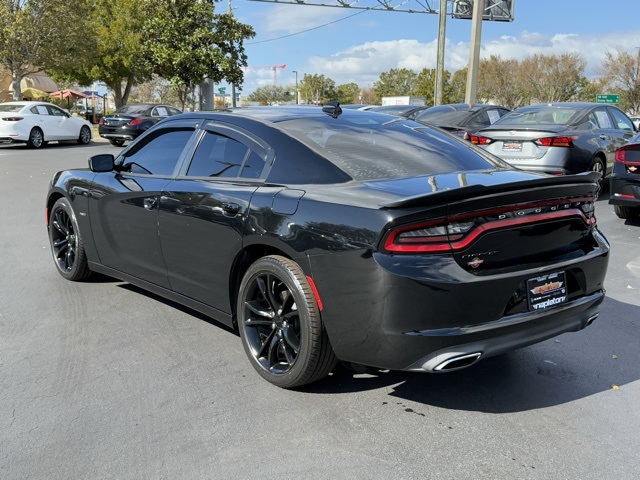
column 364, row 63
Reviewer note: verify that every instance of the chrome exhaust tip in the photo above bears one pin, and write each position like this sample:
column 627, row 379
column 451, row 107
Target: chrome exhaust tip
column 592, row 319
column 457, row 362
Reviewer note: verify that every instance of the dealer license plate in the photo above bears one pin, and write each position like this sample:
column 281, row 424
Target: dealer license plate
column 546, row 291
column 512, row 146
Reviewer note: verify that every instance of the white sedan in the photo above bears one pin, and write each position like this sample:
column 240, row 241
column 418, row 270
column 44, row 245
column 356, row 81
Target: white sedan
column 37, row 123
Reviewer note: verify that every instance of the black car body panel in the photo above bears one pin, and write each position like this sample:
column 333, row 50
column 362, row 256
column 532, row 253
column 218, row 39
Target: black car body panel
column 393, row 291
column 461, row 119
column 624, row 183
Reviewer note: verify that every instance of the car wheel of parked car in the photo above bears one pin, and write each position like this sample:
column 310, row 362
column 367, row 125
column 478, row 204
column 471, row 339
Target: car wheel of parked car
column 66, row 242
column 598, row 166
column 85, row 135
column 36, row 138
column 626, row 212
column 116, row 142
column 280, row 325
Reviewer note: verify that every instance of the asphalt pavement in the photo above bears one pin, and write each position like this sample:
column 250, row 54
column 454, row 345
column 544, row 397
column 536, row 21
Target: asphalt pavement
column 101, row 380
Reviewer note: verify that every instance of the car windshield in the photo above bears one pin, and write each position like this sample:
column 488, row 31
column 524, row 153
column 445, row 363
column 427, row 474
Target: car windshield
column 371, row 148
column 133, row 109
column 11, row 108
column 540, row 115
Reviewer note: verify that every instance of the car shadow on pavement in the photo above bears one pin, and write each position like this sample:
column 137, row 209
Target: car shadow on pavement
column 603, row 357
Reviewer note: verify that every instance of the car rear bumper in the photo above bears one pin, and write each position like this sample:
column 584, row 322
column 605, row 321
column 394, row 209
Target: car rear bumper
column 410, row 313
column 624, row 191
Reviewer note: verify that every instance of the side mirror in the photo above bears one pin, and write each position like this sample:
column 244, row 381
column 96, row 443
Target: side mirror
column 102, row 163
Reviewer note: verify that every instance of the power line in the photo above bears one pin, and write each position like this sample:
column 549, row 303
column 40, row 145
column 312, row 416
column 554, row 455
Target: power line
column 307, row 30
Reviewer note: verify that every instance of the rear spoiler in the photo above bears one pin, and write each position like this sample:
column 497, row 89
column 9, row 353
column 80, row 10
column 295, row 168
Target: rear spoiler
column 474, row 191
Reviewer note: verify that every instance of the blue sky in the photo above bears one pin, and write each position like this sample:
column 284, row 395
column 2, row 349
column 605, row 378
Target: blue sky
column 359, row 48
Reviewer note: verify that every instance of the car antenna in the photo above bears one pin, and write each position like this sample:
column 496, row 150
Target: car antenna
column 332, row 109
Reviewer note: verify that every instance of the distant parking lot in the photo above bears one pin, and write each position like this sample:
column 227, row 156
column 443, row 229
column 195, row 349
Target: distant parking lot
column 102, row 380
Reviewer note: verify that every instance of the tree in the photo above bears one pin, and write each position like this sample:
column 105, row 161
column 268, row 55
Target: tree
column 272, row 94
column 369, row 96
column 187, row 42
column 33, row 38
column 348, row 93
column 553, row 78
column 621, row 71
column 500, row 82
column 589, row 90
column 397, row 81
column 317, row 89
column 458, row 86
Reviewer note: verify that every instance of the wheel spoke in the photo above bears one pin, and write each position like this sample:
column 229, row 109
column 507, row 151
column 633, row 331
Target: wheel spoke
column 266, row 345
column 61, row 242
column 257, row 322
column 289, row 353
column 264, row 291
column 272, row 351
column 291, row 340
column 255, row 307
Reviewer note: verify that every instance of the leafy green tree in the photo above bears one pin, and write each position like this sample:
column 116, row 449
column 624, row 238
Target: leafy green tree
column 187, row 42
column 552, row 78
column 621, row 70
column 369, row 96
column 397, row 81
column 33, row 38
column 348, row 93
column 273, row 94
column 317, row 89
column 458, row 86
column 501, row 82
column 589, row 89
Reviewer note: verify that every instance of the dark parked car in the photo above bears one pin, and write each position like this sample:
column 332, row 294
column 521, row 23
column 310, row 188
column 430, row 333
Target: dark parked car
column 406, row 111
column 624, row 183
column 128, row 122
column 462, row 119
column 324, row 234
column 559, row 138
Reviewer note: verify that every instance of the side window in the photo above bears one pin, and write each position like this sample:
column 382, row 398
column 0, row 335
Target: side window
column 173, row 111
column 594, row 120
column 604, row 121
column 55, row 111
column 159, row 155
column 217, row 156
column 253, row 166
column 481, row 119
column 621, row 120
column 36, row 111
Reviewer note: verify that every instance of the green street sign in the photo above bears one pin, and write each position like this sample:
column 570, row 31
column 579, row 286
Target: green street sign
column 608, row 98
column 221, row 90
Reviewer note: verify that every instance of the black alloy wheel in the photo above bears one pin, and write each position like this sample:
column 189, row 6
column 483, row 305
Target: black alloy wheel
column 36, row 138
column 66, row 242
column 116, row 142
column 85, row 135
column 280, row 324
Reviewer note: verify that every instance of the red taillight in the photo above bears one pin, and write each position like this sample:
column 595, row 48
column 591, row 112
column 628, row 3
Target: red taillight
column 459, row 232
column 629, row 154
column 555, row 141
column 101, row 122
column 135, row 121
column 478, row 140
column 13, row 119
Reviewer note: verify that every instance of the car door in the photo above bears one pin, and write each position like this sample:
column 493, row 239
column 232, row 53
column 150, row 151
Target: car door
column 605, row 132
column 65, row 127
column 46, row 122
column 124, row 204
column 203, row 212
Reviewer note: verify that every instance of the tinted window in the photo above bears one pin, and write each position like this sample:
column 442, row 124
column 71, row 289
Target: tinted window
column 253, row 166
column 217, row 156
column 160, row 153
column 540, row 115
column 372, row 147
column 621, row 120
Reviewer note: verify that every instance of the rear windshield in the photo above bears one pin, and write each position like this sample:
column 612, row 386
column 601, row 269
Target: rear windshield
column 11, row 108
column 541, row 115
column 372, row 147
column 135, row 109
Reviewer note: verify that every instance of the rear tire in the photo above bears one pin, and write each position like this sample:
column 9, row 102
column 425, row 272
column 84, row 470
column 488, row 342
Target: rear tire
column 66, row 242
column 36, row 138
column 280, row 324
column 116, row 142
column 85, row 135
column 626, row 212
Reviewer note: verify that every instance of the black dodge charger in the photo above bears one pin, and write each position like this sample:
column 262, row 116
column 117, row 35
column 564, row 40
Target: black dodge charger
column 326, row 235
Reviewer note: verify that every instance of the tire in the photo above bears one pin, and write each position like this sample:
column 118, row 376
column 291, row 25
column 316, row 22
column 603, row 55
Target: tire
column 66, row 242
column 36, row 138
column 85, row 135
column 626, row 212
column 280, row 324
column 116, row 143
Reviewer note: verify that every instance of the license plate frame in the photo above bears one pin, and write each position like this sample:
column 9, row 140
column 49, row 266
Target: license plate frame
column 546, row 291
column 513, row 146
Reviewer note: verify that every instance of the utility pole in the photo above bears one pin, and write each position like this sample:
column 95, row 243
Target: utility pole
column 474, row 53
column 439, row 84
column 296, row 72
column 233, row 85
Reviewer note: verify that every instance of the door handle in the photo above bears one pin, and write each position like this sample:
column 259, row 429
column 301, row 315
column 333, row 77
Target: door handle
column 603, row 137
column 150, row 203
column 230, row 208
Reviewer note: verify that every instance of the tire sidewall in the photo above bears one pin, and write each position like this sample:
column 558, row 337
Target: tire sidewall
column 64, row 204
column 81, row 138
column 306, row 309
column 33, row 131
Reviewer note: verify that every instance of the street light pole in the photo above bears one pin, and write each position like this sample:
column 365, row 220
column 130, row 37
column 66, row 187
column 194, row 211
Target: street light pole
column 233, row 85
column 296, row 72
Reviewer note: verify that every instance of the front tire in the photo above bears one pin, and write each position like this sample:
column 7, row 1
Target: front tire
column 66, row 242
column 36, row 138
column 626, row 212
column 85, row 135
column 280, row 324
